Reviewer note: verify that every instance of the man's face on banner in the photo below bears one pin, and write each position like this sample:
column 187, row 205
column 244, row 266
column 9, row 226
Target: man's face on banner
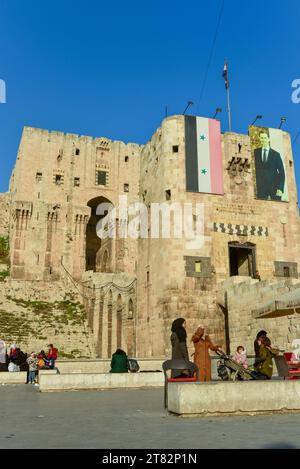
column 264, row 140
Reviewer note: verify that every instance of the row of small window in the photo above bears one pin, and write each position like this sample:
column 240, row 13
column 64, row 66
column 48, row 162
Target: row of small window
column 58, row 179
column 101, row 179
column 77, row 152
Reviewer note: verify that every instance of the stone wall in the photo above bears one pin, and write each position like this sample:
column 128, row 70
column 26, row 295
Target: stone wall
column 56, row 186
column 110, row 302
column 4, row 214
column 34, row 314
column 166, row 289
column 244, row 298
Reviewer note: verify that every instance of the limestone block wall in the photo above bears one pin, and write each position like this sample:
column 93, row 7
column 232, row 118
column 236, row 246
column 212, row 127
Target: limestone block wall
column 110, row 302
column 244, row 297
column 162, row 263
column 54, row 184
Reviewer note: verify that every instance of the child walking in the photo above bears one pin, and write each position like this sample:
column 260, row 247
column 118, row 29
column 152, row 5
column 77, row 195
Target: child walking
column 32, row 362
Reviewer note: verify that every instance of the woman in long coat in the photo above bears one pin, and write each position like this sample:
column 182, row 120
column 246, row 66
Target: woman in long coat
column 178, row 342
column 202, row 358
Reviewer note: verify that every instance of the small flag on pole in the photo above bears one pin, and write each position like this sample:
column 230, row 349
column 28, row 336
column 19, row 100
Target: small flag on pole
column 225, row 75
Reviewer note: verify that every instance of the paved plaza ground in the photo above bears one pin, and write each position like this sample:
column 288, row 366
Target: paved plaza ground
column 128, row 419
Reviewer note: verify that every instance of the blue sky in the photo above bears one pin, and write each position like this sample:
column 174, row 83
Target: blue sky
column 109, row 69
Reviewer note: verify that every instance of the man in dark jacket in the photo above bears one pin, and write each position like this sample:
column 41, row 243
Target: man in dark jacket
column 270, row 175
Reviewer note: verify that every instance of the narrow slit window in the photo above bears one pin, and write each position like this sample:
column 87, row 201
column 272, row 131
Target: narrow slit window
column 198, row 267
column 58, row 179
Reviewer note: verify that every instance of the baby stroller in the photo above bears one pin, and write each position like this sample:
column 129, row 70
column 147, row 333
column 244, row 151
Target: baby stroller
column 229, row 369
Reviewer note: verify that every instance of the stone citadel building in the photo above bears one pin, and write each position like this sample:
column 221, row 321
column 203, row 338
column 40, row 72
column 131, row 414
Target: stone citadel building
column 133, row 289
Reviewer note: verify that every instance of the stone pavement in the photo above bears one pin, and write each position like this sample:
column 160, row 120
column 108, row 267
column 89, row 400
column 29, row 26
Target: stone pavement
column 128, row 419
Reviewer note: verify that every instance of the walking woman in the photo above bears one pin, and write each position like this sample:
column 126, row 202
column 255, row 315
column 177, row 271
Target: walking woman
column 178, row 342
column 202, row 358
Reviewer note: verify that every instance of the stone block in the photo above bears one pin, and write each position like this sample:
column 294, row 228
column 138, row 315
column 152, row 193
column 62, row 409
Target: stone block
column 239, row 397
column 89, row 381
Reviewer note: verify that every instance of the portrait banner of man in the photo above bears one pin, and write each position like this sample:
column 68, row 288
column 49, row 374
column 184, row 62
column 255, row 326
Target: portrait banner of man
column 269, row 163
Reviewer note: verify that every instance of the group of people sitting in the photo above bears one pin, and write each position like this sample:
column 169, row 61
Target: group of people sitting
column 264, row 353
column 14, row 359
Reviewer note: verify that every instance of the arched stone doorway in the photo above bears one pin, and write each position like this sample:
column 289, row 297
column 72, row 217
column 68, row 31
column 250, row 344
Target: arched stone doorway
column 131, row 349
column 93, row 242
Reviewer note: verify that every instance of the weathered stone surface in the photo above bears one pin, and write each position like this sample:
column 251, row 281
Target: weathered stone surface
column 248, row 397
column 77, row 381
column 133, row 289
column 16, row 377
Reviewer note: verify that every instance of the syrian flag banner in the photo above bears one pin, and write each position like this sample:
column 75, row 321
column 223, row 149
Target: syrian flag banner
column 203, row 156
column 225, row 75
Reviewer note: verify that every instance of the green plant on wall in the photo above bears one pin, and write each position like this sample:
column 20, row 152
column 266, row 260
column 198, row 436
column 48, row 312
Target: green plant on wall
column 3, row 275
column 4, row 250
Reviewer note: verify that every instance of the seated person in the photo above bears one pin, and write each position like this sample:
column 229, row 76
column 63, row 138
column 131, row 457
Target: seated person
column 264, row 363
column 119, row 362
column 43, row 362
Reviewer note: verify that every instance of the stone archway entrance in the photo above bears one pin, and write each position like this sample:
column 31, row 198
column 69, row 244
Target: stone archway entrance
column 93, row 242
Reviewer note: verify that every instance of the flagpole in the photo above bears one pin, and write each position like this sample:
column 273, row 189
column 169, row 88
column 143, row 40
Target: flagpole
column 229, row 112
column 225, row 76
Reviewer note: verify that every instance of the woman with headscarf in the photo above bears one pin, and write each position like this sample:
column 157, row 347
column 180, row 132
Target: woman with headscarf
column 178, row 342
column 256, row 344
column 202, row 358
column 264, row 361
